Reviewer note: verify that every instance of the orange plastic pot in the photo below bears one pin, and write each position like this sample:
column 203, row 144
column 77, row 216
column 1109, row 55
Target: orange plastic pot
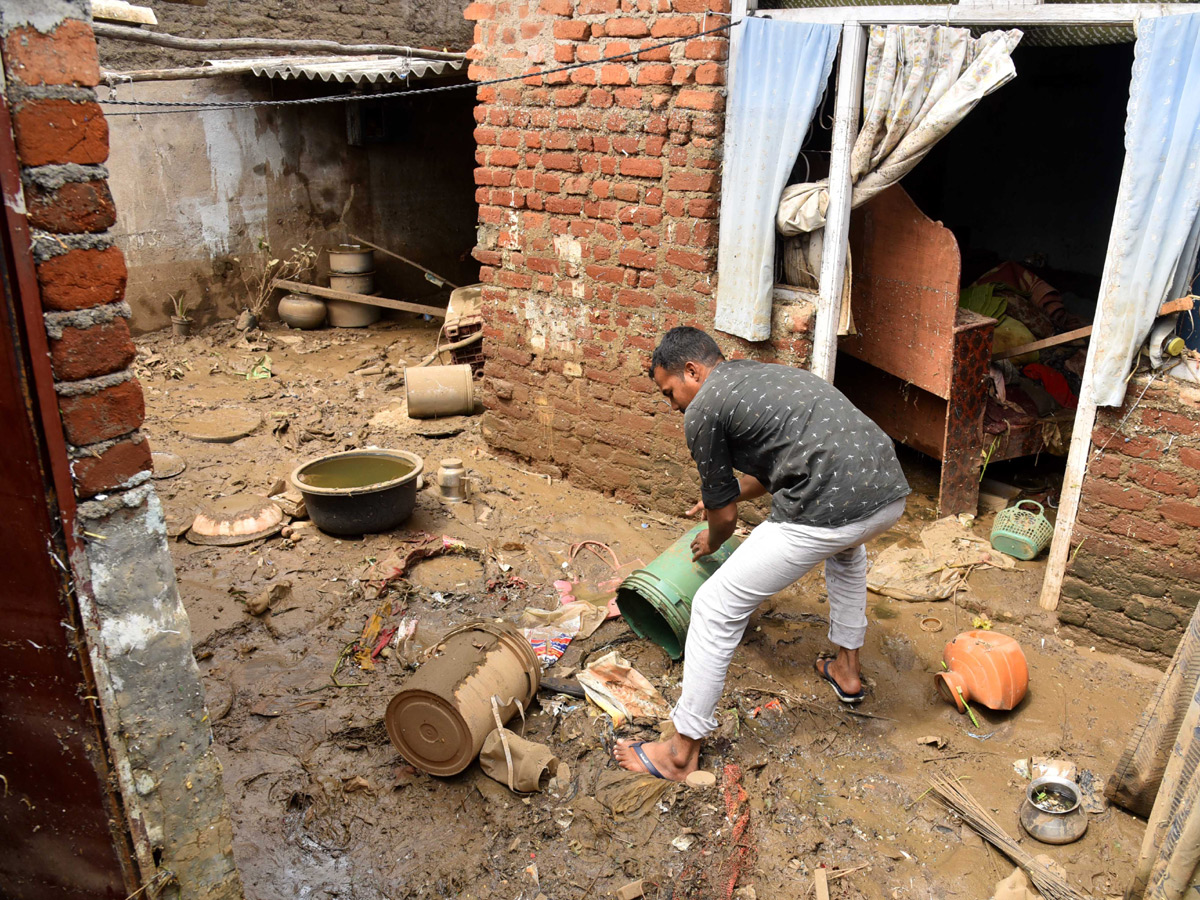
column 985, row 668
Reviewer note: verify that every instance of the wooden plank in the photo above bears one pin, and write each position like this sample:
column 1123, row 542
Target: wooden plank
column 905, row 291
column 405, row 259
column 821, row 883
column 837, row 218
column 1181, row 304
column 271, row 45
column 1053, row 341
column 987, row 14
column 331, row 294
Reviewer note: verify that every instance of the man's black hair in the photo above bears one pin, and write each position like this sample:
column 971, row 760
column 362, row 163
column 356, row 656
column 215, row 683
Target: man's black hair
column 683, row 345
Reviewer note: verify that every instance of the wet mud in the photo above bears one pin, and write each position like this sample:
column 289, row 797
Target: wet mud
column 325, row 807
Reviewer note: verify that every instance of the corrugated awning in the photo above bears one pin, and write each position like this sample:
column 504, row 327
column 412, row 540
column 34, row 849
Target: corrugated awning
column 372, row 69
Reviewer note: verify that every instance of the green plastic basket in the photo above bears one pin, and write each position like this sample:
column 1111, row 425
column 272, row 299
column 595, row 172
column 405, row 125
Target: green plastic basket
column 1021, row 532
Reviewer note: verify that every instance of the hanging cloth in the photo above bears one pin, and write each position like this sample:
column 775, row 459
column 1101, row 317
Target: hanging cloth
column 920, row 82
column 780, row 75
column 1152, row 249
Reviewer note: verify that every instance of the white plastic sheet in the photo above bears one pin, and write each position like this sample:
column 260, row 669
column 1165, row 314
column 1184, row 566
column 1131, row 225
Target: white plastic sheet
column 780, row 75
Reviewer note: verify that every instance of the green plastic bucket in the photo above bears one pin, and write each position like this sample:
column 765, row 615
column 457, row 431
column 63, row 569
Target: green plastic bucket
column 656, row 601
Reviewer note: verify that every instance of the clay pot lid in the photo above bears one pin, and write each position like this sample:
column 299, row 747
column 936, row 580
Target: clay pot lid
column 239, row 519
column 218, row 426
column 166, row 465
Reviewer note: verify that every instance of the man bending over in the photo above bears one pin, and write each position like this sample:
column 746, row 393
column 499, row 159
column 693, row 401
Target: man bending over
column 835, row 483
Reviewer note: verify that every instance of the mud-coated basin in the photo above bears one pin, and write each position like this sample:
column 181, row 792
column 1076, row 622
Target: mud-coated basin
column 359, row 491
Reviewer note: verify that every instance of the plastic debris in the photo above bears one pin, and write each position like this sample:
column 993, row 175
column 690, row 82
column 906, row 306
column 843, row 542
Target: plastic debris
column 613, row 684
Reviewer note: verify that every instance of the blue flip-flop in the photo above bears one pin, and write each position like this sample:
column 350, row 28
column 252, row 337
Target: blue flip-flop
column 650, row 767
column 823, row 671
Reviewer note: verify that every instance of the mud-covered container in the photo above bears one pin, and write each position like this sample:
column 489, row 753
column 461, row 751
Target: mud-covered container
column 440, row 719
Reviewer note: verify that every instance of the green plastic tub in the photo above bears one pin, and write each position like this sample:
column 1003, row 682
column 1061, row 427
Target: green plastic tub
column 656, row 601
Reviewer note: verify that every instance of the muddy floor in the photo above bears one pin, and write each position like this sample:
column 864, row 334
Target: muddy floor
column 324, row 807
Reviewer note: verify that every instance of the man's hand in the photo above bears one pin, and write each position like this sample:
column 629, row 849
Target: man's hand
column 721, row 523
column 698, row 510
column 702, row 545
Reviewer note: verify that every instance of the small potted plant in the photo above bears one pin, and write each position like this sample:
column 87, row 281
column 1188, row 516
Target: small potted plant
column 261, row 271
column 181, row 322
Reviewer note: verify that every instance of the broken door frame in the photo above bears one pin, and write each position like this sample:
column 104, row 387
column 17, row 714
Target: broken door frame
column 854, row 21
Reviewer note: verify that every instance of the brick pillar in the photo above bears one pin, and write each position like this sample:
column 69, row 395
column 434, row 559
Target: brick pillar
column 137, row 630
column 598, row 191
column 1133, row 580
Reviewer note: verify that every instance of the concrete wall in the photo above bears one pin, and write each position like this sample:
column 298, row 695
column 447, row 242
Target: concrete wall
column 198, row 191
column 597, row 193
column 433, row 24
column 137, row 632
column 1134, row 577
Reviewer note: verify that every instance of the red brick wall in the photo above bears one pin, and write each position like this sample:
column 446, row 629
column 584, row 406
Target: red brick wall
column 598, row 196
column 1134, row 576
column 62, row 142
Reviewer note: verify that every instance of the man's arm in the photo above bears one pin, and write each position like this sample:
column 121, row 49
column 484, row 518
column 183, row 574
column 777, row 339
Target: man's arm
column 722, row 521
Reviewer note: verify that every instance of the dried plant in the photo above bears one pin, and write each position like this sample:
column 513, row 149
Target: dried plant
column 261, row 271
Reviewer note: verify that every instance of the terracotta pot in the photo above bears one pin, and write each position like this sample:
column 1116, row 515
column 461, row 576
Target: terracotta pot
column 983, row 667
column 302, row 311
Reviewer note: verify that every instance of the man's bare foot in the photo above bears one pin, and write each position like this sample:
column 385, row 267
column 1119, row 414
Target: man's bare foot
column 674, row 758
column 844, row 669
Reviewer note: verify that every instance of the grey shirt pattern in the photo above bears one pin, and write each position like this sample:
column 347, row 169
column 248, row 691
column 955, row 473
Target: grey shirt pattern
column 824, row 462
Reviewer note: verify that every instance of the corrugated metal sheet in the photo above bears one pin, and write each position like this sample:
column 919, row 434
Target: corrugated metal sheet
column 357, row 69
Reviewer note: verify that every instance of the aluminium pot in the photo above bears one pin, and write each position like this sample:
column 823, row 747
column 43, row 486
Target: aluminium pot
column 359, row 491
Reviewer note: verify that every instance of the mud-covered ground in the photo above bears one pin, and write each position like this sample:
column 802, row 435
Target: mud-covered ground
column 324, row 807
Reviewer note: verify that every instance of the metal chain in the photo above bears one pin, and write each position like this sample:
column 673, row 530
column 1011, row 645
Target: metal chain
column 168, row 106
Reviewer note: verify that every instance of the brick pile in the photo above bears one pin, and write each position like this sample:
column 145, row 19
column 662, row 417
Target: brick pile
column 62, row 141
column 598, row 191
column 1134, row 576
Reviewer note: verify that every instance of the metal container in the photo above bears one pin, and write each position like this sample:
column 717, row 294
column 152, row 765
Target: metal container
column 363, row 283
column 359, row 491
column 434, row 391
column 350, row 314
column 441, row 718
column 351, row 259
column 301, row 311
column 1051, row 812
column 452, row 480
column 656, row 602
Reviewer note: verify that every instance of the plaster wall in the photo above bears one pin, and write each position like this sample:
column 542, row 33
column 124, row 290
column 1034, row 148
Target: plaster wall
column 196, row 192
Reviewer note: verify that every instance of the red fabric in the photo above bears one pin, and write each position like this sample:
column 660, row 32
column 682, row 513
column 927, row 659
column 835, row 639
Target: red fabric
column 1054, row 382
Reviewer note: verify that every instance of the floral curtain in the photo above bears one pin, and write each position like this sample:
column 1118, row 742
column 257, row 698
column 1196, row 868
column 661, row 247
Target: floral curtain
column 920, row 82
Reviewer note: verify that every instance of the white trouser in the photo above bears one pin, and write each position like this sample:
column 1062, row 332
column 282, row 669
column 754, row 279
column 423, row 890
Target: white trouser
column 775, row 555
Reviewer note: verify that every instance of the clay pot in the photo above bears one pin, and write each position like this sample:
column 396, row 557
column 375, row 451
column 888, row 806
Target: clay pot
column 355, row 284
column 348, row 314
column 433, row 391
column 442, row 717
column 351, row 259
column 302, row 311
column 983, row 667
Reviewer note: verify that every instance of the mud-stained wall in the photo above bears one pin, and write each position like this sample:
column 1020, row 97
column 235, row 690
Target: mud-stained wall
column 431, row 24
column 598, row 191
column 198, row 191
column 147, row 684
column 1133, row 581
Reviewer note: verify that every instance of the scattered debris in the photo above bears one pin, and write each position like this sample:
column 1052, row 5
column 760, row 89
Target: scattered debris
column 621, row 690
